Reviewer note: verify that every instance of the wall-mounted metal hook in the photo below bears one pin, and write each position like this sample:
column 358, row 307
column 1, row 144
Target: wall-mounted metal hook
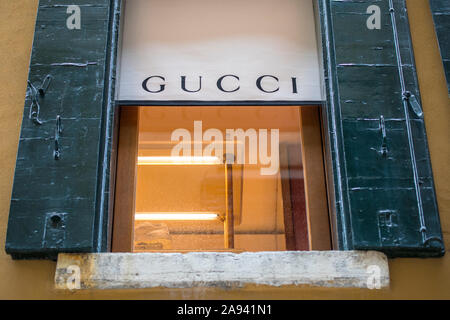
column 58, row 131
column 383, row 149
column 35, row 107
column 45, row 84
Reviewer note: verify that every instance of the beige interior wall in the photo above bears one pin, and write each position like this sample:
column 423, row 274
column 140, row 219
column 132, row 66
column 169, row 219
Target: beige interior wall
column 410, row 278
column 259, row 226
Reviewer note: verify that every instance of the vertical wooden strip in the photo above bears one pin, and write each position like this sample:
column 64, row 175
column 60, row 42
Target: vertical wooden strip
column 286, row 195
column 298, row 204
column 229, row 219
column 238, row 189
column 112, row 176
column 125, row 193
column 314, row 177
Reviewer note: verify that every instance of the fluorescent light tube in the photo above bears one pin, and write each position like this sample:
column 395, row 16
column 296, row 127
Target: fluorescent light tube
column 148, row 161
column 152, row 216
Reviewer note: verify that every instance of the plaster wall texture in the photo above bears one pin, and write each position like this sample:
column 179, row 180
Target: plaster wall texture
column 410, row 278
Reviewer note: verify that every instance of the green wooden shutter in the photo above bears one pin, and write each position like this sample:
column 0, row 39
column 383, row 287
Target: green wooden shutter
column 384, row 191
column 384, row 195
column 58, row 200
column 441, row 17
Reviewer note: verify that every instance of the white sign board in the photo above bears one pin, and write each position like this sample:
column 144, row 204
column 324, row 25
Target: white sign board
column 219, row 50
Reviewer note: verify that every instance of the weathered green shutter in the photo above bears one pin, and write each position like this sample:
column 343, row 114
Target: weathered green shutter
column 58, row 200
column 441, row 17
column 384, row 196
column 384, row 191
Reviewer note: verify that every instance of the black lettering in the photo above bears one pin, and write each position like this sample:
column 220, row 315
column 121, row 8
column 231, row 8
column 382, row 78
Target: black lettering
column 145, row 84
column 219, row 83
column 258, row 83
column 183, row 84
column 294, row 85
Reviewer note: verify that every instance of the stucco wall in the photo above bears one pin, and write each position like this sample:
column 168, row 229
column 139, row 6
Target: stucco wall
column 410, row 278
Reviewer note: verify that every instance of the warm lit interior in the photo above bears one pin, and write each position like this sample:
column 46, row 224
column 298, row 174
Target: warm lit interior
column 181, row 201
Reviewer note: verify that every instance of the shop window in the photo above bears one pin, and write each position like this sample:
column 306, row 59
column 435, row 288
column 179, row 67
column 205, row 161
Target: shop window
column 379, row 180
column 220, row 179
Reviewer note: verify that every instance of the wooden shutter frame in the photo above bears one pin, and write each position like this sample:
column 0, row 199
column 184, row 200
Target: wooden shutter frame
column 338, row 189
column 339, row 197
column 20, row 231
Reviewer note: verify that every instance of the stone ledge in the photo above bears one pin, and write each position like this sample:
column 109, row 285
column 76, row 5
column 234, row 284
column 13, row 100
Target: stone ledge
column 344, row 269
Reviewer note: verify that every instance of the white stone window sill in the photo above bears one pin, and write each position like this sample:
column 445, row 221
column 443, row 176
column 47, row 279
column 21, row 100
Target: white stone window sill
column 343, row 269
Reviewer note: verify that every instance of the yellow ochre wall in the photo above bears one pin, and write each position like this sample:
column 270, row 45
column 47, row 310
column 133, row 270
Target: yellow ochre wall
column 410, row 278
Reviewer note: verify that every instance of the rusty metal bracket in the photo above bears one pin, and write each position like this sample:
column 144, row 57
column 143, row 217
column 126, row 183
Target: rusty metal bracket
column 388, row 227
column 35, row 107
column 413, row 103
column 58, row 131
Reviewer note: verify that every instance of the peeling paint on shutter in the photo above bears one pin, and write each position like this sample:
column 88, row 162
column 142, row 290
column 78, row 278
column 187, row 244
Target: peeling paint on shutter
column 441, row 17
column 384, row 194
column 57, row 200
